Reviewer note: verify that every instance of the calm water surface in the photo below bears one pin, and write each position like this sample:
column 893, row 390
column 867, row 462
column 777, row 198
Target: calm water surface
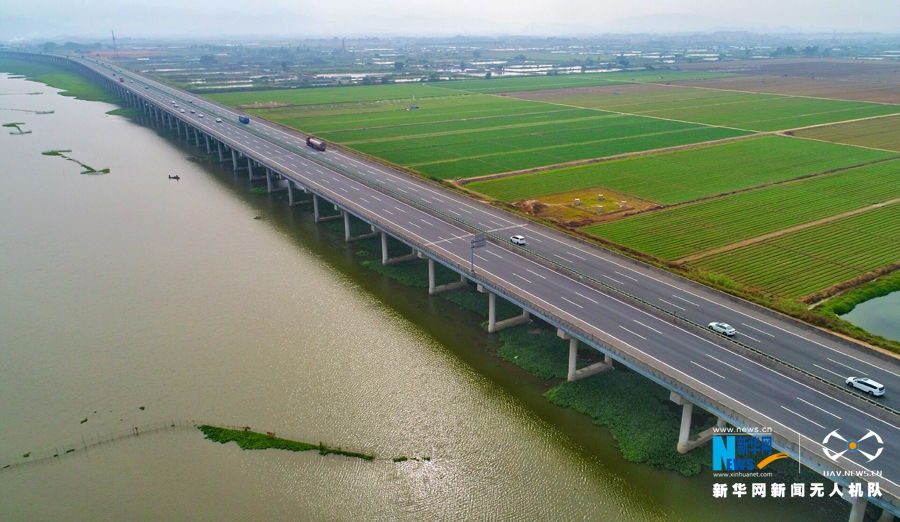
column 880, row 316
column 126, row 290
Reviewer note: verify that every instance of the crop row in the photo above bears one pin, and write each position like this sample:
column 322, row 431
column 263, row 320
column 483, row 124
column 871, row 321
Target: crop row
column 758, row 112
column 332, row 94
column 813, row 259
column 568, row 81
column 882, row 133
column 689, row 174
column 706, row 225
column 585, row 148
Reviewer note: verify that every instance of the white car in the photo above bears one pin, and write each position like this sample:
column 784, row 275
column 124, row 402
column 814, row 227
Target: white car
column 722, row 328
column 866, row 385
column 192, row 111
column 218, row 120
column 182, row 111
column 518, row 240
column 199, row 115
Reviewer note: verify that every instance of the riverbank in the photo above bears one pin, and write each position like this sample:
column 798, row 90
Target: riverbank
column 72, row 84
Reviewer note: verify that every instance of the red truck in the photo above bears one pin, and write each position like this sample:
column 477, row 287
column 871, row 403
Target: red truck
column 121, row 79
column 315, row 143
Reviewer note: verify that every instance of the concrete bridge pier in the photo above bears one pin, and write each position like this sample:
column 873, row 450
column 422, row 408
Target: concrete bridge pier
column 886, row 516
column 386, row 260
column 169, row 119
column 318, row 217
column 493, row 324
column 685, row 441
column 348, row 238
column 574, row 373
column 432, row 290
column 206, row 137
column 219, row 147
column 234, row 160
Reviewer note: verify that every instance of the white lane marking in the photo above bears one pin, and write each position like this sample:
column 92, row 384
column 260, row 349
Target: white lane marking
column 613, row 280
column 632, row 333
column 326, row 181
column 806, row 419
column 413, row 224
column 758, row 330
column 364, row 200
column 388, row 211
column 751, row 338
column 522, row 278
column 429, row 223
column 625, row 276
column 354, row 187
column 453, row 212
column 345, row 190
column 671, row 304
column 466, row 211
column 685, row 300
column 586, row 297
column 845, row 366
column 401, row 190
column 564, row 259
column 493, row 254
column 818, row 408
column 573, row 302
column 400, row 209
column 574, row 255
column 647, row 327
column 707, row 369
column 723, row 362
column 481, row 258
column 374, row 197
column 535, row 273
column 829, row 371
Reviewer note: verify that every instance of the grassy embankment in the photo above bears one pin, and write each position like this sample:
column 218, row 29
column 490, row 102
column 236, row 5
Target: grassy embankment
column 847, row 302
column 72, row 83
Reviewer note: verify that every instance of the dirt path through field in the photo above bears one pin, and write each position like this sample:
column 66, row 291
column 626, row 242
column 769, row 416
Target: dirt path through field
column 771, row 235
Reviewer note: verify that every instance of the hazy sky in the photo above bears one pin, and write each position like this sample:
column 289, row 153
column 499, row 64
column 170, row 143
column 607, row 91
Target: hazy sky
column 141, row 18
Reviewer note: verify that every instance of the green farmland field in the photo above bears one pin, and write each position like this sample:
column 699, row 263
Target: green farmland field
column 359, row 93
column 469, row 135
column 689, row 229
column 688, row 174
column 810, row 260
column 755, row 112
column 569, row 81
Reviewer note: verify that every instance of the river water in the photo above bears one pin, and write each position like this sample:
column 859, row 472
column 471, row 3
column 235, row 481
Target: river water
column 131, row 300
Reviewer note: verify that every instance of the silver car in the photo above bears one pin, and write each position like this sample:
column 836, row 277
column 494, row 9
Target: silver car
column 517, row 240
column 722, row 328
column 864, row 384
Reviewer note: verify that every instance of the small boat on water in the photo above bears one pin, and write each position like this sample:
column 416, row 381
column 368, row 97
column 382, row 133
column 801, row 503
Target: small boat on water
column 175, row 177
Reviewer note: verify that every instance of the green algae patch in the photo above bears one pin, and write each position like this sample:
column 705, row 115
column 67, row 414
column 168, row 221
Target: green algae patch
column 251, row 440
column 536, row 350
column 87, row 168
column 639, row 417
column 129, row 112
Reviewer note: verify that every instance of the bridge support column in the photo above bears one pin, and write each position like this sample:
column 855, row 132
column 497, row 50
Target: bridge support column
column 250, row 168
column 319, row 218
column 574, row 373
column 169, row 119
column 268, row 180
column 685, row 442
column 234, row 159
column 493, row 324
column 858, row 511
column 290, row 189
column 178, row 128
column 219, row 147
column 206, row 137
column 196, row 137
column 432, row 290
column 386, row 260
column 886, row 516
column 348, row 238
